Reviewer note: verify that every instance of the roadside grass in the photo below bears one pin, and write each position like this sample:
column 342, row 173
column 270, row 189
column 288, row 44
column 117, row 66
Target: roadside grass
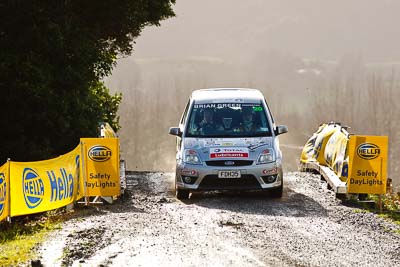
column 19, row 239
column 390, row 206
column 358, row 211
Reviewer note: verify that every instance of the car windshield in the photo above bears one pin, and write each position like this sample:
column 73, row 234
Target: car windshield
column 228, row 120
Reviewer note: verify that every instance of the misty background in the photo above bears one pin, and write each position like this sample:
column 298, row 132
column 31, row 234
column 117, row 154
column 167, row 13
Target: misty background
column 315, row 61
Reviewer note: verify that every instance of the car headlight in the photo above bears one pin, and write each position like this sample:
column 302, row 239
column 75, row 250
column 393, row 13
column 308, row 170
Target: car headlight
column 266, row 156
column 190, row 156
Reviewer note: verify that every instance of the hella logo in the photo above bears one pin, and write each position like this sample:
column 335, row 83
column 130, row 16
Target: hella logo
column 33, row 188
column 368, row 151
column 99, row 153
column 229, row 163
column 3, row 192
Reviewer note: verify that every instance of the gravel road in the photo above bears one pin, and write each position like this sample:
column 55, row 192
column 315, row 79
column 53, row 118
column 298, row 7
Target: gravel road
column 150, row 227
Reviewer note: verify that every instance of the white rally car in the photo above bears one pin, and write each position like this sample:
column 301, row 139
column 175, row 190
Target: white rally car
column 227, row 140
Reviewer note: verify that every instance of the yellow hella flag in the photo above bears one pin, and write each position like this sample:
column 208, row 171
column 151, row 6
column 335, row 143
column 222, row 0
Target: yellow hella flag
column 368, row 157
column 4, row 192
column 101, row 160
column 44, row 185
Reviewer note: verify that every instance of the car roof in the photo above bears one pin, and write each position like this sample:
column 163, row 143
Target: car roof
column 222, row 95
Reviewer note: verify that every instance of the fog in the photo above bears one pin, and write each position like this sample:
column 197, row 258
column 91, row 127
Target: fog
column 314, row 61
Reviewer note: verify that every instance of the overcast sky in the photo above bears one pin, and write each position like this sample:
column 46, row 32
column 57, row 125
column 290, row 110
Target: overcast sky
column 318, row 29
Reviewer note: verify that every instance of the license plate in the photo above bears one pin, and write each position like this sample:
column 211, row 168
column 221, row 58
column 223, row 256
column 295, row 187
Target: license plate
column 229, row 174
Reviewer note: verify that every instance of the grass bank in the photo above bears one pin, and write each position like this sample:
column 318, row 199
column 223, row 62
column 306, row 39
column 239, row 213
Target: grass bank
column 19, row 240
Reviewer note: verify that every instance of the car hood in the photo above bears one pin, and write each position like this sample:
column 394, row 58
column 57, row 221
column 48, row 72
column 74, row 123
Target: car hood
column 199, row 143
column 228, row 148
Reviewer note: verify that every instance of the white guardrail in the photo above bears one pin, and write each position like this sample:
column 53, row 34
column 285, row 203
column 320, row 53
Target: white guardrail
column 329, row 175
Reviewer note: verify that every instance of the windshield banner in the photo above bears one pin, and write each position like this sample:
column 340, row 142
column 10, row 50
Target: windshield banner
column 4, row 192
column 44, row 185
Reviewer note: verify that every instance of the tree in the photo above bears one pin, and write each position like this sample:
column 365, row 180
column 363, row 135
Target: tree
column 53, row 55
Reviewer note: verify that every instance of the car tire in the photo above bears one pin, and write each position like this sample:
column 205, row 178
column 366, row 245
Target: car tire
column 182, row 193
column 277, row 192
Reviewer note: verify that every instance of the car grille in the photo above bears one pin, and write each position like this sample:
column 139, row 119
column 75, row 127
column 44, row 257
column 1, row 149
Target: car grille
column 212, row 182
column 236, row 163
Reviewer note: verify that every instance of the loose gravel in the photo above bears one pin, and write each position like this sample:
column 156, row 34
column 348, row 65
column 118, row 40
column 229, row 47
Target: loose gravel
column 150, row 227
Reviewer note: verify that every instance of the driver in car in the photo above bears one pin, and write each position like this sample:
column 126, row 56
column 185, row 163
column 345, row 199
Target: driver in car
column 208, row 125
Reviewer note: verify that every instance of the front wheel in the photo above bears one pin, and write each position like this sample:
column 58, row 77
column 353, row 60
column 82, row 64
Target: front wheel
column 277, row 192
column 182, row 193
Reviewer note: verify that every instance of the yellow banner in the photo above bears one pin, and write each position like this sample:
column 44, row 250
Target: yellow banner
column 107, row 131
column 335, row 152
column 308, row 153
column 102, row 166
column 321, row 141
column 44, row 185
column 367, row 164
column 4, row 192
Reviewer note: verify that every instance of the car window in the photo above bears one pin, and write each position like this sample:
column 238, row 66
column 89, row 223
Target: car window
column 228, row 120
column 269, row 111
column 183, row 118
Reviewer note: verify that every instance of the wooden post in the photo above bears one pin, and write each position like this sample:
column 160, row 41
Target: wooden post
column 83, row 159
column 380, row 195
column 9, row 190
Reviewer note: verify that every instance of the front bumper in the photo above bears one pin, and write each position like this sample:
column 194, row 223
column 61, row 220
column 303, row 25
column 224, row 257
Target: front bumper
column 203, row 177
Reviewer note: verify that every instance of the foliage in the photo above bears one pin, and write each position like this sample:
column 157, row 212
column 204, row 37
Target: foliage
column 392, row 202
column 106, row 105
column 52, row 55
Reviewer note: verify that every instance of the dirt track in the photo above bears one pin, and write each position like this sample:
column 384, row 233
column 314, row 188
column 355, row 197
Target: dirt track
column 307, row 227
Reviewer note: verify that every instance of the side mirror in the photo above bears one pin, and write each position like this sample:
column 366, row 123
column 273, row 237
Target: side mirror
column 281, row 129
column 175, row 131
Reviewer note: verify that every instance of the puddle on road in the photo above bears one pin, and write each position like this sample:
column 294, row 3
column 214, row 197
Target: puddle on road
column 159, row 183
column 51, row 251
